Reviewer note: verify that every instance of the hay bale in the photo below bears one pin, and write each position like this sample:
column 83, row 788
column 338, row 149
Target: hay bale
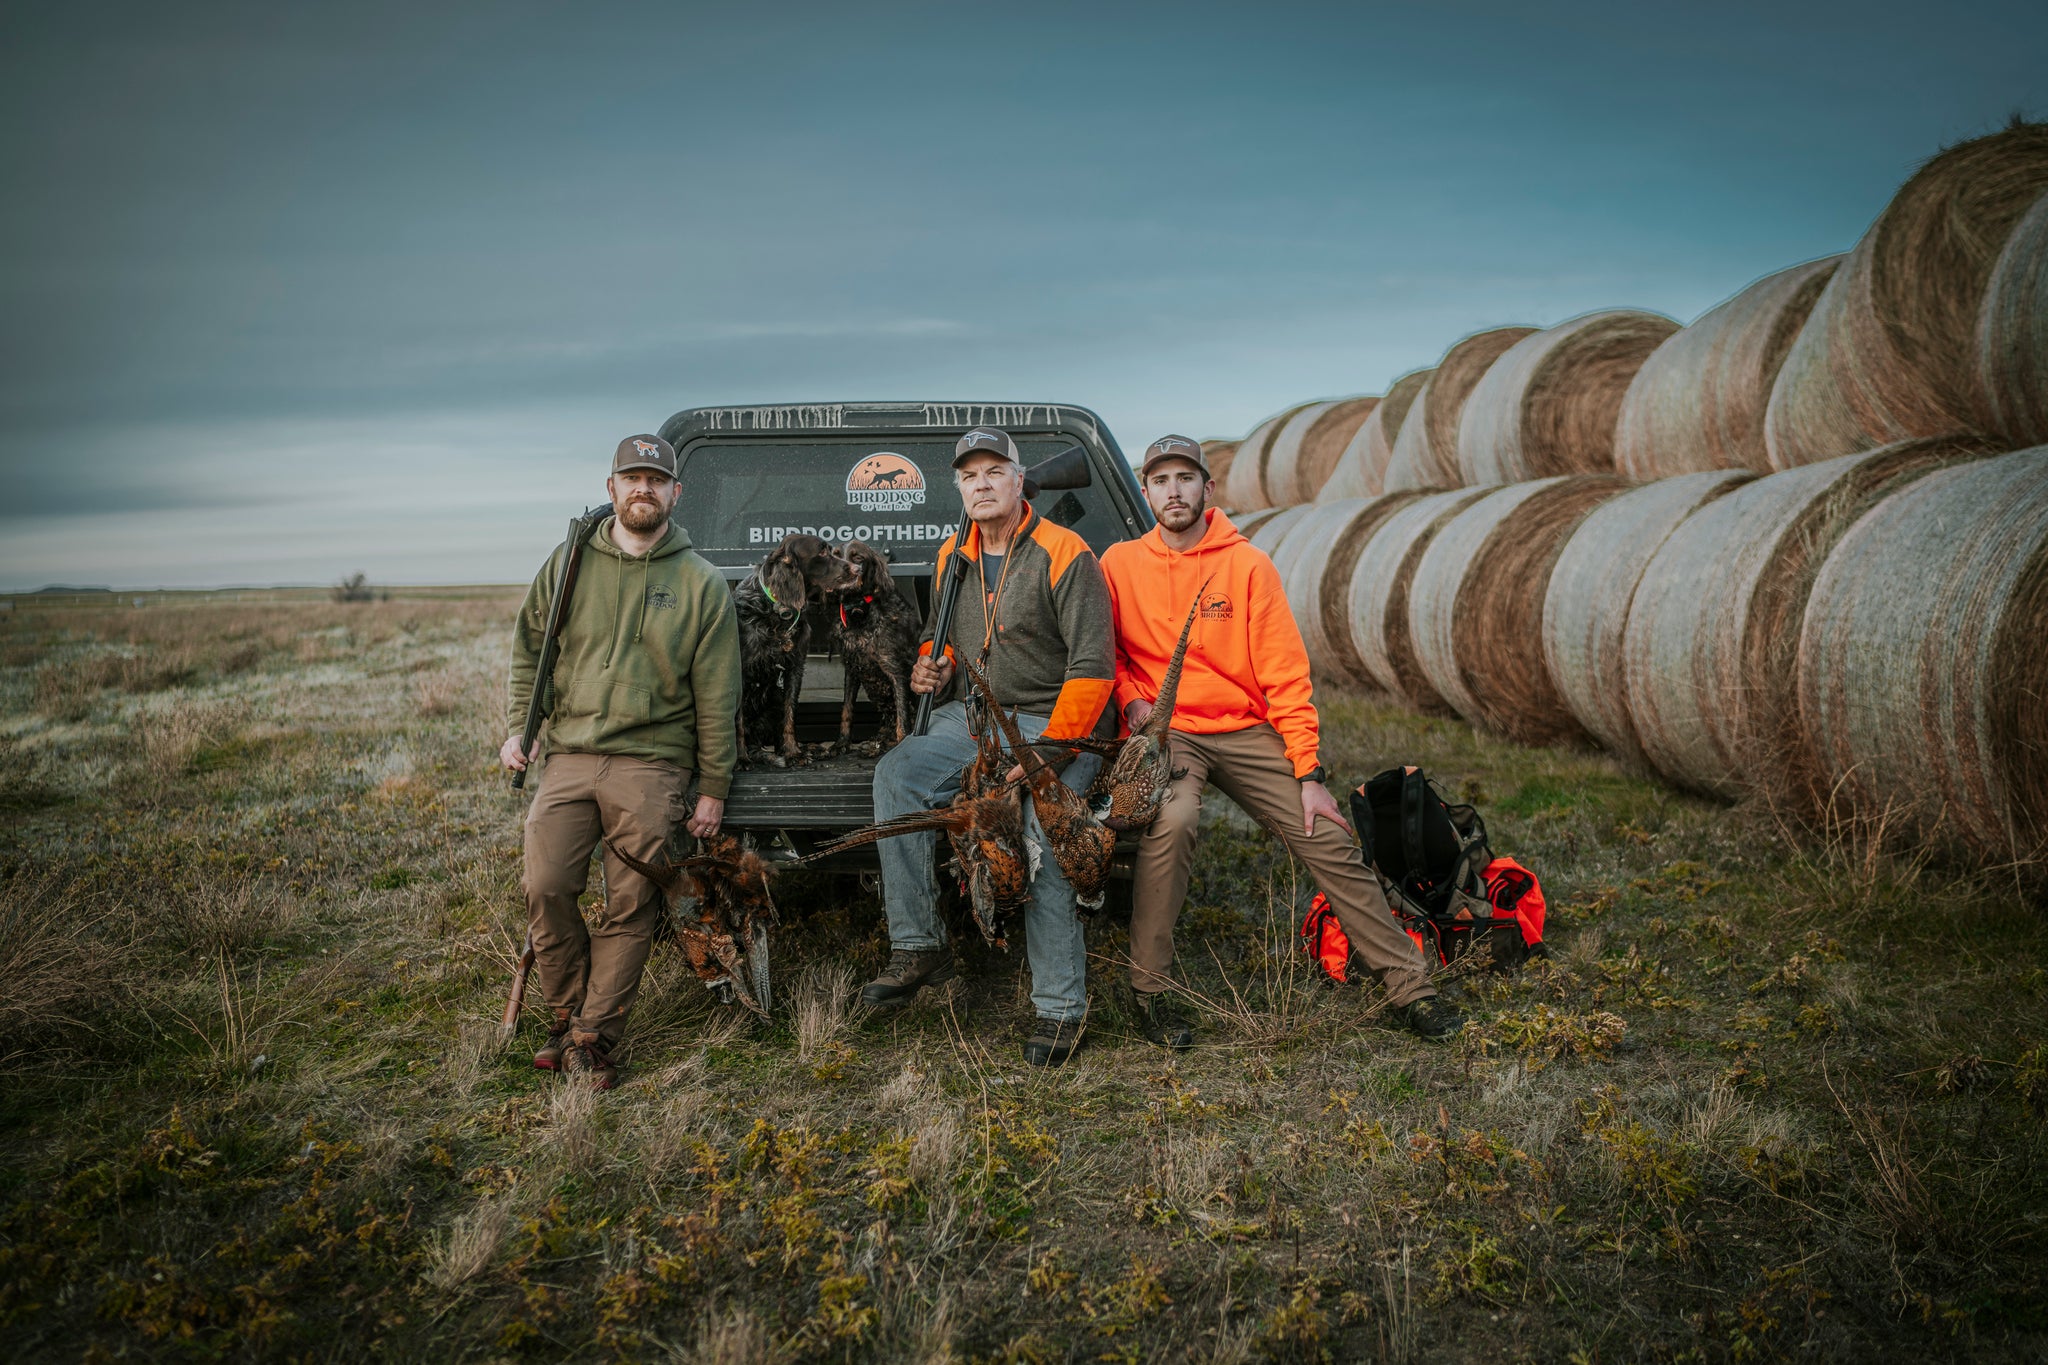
column 1921, row 673
column 1377, row 598
column 1708, row 652
column 1372, row 447
column 1475, row 606
column 1889, row 351
column 1322, row 450
column 1315, row 562
column 1550, row 404
column 1698, row 402
column 1252, row 521
column 1270, row 531
column 1246, row 491
column 1456, row 375
column 1585, row 608
column 1411, row 465
column 1284, row 454
column 2012, row 334
column 1218, row 454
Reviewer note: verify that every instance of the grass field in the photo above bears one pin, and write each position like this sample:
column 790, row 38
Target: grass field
column 1772, row 1098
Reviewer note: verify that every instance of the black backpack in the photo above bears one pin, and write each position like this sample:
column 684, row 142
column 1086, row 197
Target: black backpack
column 1431, row 855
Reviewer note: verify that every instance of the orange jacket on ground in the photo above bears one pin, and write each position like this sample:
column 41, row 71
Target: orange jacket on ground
column 1245, row 661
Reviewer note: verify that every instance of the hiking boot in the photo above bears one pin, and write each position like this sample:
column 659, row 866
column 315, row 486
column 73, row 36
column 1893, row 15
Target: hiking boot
column 1431, row 1018
column 1161, row 1021
column 549, row 1058
column 591, row 1062
column 909, row 971
column 1052, row 1041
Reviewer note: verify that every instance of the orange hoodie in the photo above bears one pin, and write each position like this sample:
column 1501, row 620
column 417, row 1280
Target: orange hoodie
column 1245, row 661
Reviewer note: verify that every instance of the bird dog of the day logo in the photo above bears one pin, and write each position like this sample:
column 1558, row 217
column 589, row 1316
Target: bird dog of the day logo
column 885, row 482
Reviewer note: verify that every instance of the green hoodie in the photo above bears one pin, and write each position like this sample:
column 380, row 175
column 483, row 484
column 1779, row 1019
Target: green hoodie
column 650, row 661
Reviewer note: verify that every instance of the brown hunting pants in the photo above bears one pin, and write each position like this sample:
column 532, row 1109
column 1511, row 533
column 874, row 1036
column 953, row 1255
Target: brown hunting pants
column 591, row 972
column 1251, row 768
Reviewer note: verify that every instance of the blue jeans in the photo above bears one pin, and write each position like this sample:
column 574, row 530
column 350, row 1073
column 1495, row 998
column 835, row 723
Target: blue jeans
column 923, row 772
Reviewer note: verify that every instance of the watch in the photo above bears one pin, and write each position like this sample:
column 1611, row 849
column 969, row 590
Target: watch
column 1316, row 774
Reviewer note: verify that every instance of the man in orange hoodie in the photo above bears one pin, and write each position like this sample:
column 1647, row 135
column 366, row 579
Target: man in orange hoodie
column 1244, row 720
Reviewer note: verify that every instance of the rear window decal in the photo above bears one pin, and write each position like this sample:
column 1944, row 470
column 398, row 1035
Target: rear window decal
column 884, row 482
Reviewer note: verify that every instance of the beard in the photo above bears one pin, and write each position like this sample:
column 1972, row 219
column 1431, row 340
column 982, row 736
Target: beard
column 1178, row 516
column 641, row 515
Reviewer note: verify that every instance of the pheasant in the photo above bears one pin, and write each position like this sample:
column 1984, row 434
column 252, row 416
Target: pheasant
column 986, row 832
column 1080, row 844
column 1142, row 776
column 730, row 885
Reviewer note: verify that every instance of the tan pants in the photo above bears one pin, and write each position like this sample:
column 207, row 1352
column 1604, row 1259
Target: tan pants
column 1251, row 768
column 590, row 974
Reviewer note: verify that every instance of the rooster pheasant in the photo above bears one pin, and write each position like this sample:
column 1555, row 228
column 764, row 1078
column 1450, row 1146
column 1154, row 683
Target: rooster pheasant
column 985, row 827
column 1142, row 776
column 1080, row 844
column 730, row 885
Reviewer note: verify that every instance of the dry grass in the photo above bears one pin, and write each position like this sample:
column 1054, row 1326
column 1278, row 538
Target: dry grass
column 1770, row 1098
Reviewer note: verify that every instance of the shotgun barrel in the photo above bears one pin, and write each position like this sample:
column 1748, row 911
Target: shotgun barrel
column 580, row 531
column 942, row 627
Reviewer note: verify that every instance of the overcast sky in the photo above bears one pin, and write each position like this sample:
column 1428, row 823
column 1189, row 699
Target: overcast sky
column 290, row 291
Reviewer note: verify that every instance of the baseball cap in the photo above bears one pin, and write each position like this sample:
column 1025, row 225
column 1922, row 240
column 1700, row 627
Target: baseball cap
column 1174, row 448
column 986, row 441
column 645, row 452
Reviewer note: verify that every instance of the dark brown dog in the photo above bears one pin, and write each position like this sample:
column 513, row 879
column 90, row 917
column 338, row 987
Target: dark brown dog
column 878, row 633
column 775, row 635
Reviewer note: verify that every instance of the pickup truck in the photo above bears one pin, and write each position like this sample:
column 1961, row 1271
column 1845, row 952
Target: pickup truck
column 879, row 472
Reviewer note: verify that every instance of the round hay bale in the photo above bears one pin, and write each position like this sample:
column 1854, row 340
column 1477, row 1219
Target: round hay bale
column 1218, row 454
column 1252, row 521
column 1270, row 531
column 1585, row 608
column 1412, row 465
column 1372, row 446
column 1889, row 351
column 2012, row 334
column 1322, row 450
column 1921, row 673
column 1476, row 604
column 1457, row 374
column 1247, row 490
column 1708, row 655
column 1698, row 402
column 1549, row 405
column 1318, row 553
column 1378, row 595
column 1284, row 455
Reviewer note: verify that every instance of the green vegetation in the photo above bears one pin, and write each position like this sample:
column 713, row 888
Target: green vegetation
column 259, row 898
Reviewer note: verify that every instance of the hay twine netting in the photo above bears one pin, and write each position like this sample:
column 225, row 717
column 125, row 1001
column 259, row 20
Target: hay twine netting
column 1889, row 351
column 1315, row 562
column 1586, row 605
column 1316, row 468
column 1378, row 595
column 1921, row 673
column 2012, row 334
column 1698, row 402
column 1708, row 652
column 1372, row 446
column 1477, row 598
column 1550, row 404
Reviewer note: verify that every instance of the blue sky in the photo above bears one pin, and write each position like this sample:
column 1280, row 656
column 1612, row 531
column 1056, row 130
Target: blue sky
column 287, row 292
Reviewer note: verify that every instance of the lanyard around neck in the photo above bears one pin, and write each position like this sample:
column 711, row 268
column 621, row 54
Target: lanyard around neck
column 990, row 603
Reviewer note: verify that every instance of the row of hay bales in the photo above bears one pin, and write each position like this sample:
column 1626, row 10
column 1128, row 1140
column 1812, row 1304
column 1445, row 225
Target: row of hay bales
column 1858, row 636
column 1934, row 325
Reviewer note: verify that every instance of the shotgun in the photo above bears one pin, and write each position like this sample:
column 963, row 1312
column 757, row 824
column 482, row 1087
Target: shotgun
column 942, row 628
column 580, row 531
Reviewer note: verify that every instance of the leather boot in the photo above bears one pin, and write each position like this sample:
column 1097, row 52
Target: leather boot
column 909, row 971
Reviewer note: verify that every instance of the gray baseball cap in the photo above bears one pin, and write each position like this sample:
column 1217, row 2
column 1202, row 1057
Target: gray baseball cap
column 986, row 441
column 1174, row 448
column 645, row 452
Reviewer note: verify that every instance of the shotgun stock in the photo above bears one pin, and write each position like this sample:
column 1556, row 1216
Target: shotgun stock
column 580, row 531
column 516, row 1002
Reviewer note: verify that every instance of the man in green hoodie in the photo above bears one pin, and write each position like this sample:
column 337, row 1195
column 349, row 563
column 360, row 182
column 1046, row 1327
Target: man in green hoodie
column 645, row 692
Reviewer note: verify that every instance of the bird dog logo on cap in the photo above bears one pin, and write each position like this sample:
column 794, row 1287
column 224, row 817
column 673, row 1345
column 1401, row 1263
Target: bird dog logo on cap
column 646, row 450
column 885, row 482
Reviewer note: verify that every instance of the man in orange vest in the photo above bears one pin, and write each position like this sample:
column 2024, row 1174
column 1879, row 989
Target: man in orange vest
column 1245, row 721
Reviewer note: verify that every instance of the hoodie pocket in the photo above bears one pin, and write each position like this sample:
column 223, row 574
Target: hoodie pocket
column 610, row 705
